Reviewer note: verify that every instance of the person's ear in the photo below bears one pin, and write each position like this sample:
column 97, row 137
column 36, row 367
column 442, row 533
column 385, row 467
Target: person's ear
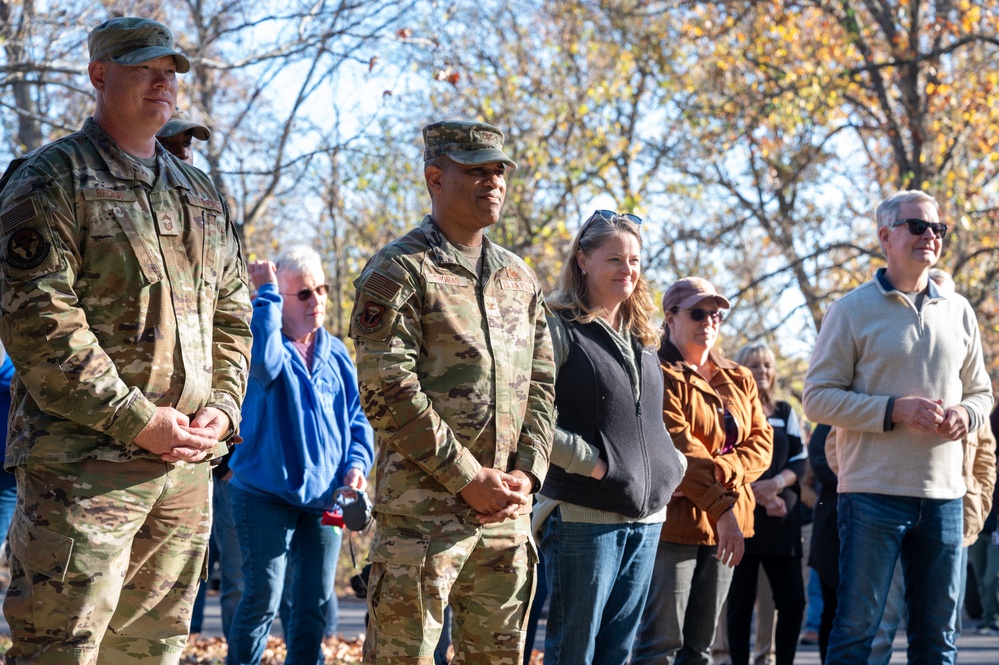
column 883, row 234
column 434, row 176
column 97, row 70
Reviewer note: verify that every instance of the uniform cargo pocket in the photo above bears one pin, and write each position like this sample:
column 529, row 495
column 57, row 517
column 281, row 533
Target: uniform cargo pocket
column 39, row 549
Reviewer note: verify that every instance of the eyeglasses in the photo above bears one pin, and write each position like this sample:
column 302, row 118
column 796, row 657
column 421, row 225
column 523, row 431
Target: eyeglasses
column 698, row 314
column 305, row 294
column 917, row 227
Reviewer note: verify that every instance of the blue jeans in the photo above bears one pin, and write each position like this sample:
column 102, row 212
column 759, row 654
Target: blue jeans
column 8, row 500
column 598, row 578
column 223, row 548
column 689, row 586
column 272, row 532
column 813, row 610
column 875, row 530
column 891, row 618
column 230, row 558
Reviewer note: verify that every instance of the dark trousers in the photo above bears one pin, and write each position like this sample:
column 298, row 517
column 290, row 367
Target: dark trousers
column 828, row 615
column 784, row 573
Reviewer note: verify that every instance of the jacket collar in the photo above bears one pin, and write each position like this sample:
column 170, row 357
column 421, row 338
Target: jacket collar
column 673, row 363
column 123, row 167
column 886, row 287
column 443, row 252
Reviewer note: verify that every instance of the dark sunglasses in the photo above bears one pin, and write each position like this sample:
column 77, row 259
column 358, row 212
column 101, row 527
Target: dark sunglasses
column 917, row 227
column 305, row 294
column 609, row 216
column 698, row 314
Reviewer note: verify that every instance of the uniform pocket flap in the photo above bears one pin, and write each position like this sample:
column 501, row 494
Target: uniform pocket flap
column 396, row 550
column 38, row 548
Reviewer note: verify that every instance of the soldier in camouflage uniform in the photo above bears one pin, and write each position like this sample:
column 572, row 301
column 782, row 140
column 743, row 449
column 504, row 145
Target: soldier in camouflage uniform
column 178, row 134
column 126, row 312
column 456, row 372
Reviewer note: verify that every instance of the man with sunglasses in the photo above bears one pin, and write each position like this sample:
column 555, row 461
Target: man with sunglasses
column 457, row 376
column 898, row 369
column 305, row 436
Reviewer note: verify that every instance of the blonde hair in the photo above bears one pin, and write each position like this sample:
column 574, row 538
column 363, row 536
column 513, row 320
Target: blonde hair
column 750, row 351
column 571, row 296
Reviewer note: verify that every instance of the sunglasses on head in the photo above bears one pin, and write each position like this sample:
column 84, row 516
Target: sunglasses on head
column 698, row 314
column 917, row 227
column 609, row 216
column 305, row 294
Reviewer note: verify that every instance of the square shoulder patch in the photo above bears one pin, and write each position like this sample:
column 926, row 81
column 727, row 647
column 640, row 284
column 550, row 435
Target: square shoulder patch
column 28, row 241
column 376, row 305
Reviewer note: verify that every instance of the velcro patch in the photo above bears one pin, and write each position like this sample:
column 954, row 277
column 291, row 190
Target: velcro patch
column 211, row 204
column 380, row 285
column 169, row 223
column 369, row 316
column 511, row 285
column 454, row 280
column 17, row 215
column 27, row 248
column 107, row 194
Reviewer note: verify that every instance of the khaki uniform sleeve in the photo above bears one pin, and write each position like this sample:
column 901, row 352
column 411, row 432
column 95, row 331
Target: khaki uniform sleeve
column 231, row 338
column 535, row 443
column 388, row 336
column 46, row 333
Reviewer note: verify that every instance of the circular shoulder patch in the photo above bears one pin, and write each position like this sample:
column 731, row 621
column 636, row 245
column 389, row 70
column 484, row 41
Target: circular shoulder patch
column 26, row 248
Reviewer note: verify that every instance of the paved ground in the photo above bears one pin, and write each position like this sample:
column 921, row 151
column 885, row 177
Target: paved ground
column 973, row 649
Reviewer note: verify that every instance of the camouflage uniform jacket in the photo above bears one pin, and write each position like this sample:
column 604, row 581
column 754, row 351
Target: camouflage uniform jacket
column 456, row 373
column 120, row 292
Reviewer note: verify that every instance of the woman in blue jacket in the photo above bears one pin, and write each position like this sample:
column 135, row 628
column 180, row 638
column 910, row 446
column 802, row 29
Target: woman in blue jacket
column 304, row 436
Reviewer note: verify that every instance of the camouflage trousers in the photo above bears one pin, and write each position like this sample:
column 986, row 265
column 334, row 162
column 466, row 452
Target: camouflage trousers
column 105, row 556
column 419, row 566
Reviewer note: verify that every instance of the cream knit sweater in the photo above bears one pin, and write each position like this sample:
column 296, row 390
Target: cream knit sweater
column 874, row 345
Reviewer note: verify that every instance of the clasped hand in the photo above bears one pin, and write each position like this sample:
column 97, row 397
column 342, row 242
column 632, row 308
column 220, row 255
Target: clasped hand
column 175, row 438
column 930, row 416
column 497, row 496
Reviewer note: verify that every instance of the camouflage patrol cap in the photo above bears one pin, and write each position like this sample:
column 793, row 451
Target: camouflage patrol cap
column 465, row 142
column 131, row 41
column 179, row 122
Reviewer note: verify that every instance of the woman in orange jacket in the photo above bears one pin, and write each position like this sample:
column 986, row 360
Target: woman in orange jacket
column 712, row 411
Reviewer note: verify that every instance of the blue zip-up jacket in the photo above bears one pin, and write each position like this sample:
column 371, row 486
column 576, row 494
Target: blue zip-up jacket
column 6, row 375
column 301, row 431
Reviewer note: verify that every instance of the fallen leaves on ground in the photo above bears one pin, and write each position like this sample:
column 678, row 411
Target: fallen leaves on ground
column 212, row 651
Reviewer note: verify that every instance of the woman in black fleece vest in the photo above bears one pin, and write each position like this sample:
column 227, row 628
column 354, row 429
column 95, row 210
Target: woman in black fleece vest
column 614, row 467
